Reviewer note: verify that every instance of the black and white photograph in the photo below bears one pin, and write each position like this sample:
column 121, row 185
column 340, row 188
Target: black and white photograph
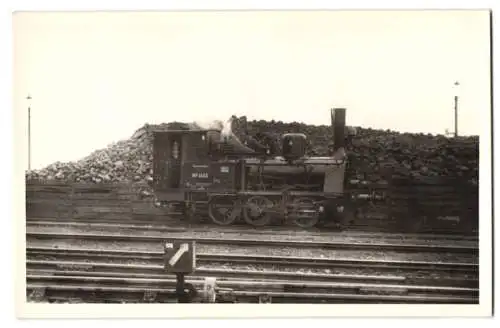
column 241, row 157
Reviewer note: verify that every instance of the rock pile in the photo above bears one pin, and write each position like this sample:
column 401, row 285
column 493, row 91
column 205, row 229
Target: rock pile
column 124, row 161
column 372, row 154
column 375, row 154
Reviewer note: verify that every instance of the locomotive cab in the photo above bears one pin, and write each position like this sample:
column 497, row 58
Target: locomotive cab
column 171, row 151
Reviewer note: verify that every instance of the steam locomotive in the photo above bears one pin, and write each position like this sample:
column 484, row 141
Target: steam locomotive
column 210, row 172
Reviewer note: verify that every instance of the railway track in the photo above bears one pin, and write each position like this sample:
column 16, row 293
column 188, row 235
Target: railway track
column 118, row 275
column 55, row 277
column 263, row 286
column 87, row 273
column 77, row 254
column 156, row 271
column 379, row 246
column 243, row 229
column 91, row 292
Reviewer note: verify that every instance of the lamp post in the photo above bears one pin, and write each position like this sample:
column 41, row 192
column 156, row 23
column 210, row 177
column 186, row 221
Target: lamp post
column 29, row 132
column 456, row 88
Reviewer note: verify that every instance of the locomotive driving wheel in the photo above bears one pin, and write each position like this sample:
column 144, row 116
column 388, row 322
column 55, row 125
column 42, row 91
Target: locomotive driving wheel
column 224, row 210
column 305, row 213
column 256, row 211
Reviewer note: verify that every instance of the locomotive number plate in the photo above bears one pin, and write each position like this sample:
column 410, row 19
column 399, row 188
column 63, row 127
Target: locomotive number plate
column 203, row 175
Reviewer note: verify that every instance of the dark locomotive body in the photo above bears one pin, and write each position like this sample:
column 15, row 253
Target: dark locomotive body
column 203, row 172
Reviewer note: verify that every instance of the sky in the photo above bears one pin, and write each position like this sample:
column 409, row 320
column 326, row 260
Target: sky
column 95, row 78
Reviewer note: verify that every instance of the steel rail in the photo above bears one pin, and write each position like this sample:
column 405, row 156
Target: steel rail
column 180, row 227
column 267, row 286
column 106, row 269
column 220, row 274
column 122, row 293
column 131, row 270
column 87, row 253
column 261, row 242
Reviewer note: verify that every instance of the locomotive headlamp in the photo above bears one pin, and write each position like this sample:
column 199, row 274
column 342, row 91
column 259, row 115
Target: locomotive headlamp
column 321, row 209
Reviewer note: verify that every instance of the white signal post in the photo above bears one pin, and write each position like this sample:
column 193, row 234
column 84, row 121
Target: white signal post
column 180, row 259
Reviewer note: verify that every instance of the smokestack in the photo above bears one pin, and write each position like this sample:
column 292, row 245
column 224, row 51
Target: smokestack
column 338, row 127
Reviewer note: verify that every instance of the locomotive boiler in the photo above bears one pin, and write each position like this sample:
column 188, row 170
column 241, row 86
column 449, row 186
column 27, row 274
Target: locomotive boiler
column 211, row 172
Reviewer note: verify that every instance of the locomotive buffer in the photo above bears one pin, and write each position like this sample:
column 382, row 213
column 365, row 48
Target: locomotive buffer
column 180, row 259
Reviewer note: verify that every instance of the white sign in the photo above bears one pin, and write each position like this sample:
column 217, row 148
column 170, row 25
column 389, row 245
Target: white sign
column 182, row 249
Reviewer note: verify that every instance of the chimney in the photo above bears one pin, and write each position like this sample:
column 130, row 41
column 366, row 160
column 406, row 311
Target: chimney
column 338, row 127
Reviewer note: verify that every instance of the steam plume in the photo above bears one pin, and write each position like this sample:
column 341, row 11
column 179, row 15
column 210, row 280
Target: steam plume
column 224, row 128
